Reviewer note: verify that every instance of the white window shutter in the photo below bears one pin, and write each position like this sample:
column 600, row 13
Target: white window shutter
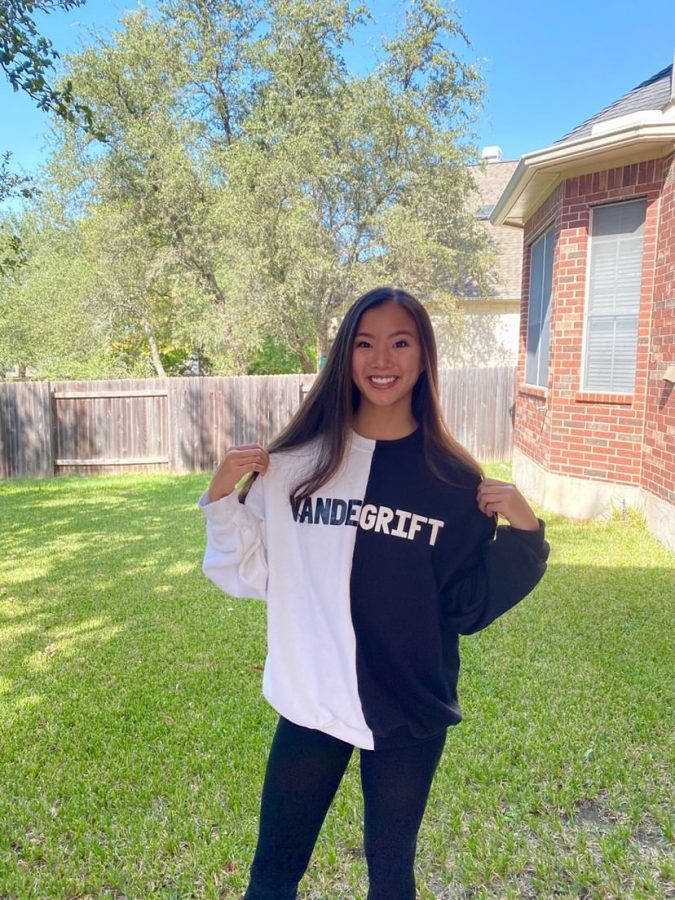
column 614, row 280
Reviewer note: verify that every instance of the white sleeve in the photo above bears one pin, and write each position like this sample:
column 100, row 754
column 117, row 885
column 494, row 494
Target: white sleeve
column 236, row 557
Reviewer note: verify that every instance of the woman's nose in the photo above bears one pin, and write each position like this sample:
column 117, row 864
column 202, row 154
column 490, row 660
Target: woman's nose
column 382, row 356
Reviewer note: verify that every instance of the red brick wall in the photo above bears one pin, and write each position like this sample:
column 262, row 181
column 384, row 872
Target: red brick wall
column 566, row 430
column 658, row 465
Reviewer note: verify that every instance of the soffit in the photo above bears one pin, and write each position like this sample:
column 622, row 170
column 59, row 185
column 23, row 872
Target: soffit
column 539, row 174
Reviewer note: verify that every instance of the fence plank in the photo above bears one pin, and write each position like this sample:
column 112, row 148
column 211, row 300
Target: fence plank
column 25, row 430
column 186, row 424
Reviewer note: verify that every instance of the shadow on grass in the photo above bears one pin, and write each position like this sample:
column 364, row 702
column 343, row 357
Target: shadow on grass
column 96, row 567
column 88, row 562
column 131, row 691
column 126, row 680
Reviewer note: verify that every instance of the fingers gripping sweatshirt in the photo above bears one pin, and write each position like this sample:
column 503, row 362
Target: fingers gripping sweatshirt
column 368, row 583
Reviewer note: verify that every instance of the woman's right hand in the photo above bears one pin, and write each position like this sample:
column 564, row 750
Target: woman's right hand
column 237, row 462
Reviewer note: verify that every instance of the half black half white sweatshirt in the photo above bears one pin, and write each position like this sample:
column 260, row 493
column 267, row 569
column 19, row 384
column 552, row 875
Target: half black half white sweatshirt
column 368, row 584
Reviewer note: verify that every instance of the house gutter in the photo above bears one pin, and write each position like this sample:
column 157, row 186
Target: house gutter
column 645, row 135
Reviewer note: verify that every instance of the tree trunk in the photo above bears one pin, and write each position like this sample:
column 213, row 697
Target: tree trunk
column 307, row 363
column 322, row 346
column 154, row 349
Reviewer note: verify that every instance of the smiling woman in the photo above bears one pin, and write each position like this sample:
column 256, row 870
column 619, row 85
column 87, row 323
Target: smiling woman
column 368, row 585
column 386, row 363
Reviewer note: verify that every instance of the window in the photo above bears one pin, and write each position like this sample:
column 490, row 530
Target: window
column 539, row 309
column 614, row 276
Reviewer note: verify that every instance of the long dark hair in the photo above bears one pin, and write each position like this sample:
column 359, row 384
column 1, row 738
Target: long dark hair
column 333, row 399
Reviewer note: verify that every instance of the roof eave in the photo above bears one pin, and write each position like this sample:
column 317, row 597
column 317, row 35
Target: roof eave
column 540, row 172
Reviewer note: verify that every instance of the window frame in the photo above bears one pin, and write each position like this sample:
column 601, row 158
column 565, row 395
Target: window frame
column 606, row 390
column 547, row 232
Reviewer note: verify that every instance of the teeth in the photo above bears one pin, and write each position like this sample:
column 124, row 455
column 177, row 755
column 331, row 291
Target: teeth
column 387, row 380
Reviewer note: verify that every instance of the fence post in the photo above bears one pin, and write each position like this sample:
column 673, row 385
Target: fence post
column 53, row 429
column 304, row 388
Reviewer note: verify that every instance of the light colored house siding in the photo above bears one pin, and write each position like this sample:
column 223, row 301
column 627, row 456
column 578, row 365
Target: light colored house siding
column 486, row 336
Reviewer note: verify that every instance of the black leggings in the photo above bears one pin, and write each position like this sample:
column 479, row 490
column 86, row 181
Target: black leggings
column 304, row 770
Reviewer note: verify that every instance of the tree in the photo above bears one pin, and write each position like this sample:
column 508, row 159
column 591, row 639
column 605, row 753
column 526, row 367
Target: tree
column 148, row 198
column 27, row 58
column 249, row 186
column 346, row 182
column 49, row 318
column 12, row 184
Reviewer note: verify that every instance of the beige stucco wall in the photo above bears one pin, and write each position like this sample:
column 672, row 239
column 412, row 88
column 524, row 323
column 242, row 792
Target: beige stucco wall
column 486, row 335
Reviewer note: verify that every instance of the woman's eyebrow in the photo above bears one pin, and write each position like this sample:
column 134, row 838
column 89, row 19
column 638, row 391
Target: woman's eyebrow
column 393, row 334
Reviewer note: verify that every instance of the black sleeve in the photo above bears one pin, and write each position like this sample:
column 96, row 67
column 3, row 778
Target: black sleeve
column 497, row 575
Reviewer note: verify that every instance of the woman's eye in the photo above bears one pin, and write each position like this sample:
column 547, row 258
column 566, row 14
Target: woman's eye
column 401, row 343
column 361, row 344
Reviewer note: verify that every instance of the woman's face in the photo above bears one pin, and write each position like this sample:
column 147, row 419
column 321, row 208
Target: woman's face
column 386, row 357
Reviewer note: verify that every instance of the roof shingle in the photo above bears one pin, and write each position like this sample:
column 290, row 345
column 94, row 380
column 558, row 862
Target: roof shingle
column 654, row 93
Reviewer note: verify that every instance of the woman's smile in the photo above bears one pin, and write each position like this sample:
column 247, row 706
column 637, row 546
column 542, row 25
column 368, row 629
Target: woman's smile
column 383, row 381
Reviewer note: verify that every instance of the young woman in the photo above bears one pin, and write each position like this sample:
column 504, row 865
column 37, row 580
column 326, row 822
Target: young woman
column 372, row 536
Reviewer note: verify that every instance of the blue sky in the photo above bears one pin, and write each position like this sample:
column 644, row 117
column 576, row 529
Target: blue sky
column 548, row 66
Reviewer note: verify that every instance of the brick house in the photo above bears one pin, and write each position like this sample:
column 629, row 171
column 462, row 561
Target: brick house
column 595, row 410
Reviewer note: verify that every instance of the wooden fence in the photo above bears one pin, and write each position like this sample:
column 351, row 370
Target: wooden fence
column 185, row 424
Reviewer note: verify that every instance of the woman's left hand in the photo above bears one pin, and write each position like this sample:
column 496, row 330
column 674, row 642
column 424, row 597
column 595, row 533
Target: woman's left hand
column 504, row 499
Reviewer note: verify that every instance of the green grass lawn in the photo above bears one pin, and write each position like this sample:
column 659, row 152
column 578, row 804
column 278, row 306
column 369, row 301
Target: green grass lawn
column 133, row 734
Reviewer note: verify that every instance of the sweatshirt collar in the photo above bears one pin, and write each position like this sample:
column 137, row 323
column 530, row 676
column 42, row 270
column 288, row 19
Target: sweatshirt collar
column 363, row 443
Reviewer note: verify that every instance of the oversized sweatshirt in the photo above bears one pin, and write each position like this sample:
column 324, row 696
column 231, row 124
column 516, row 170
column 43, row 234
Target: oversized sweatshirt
column 368, row 584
